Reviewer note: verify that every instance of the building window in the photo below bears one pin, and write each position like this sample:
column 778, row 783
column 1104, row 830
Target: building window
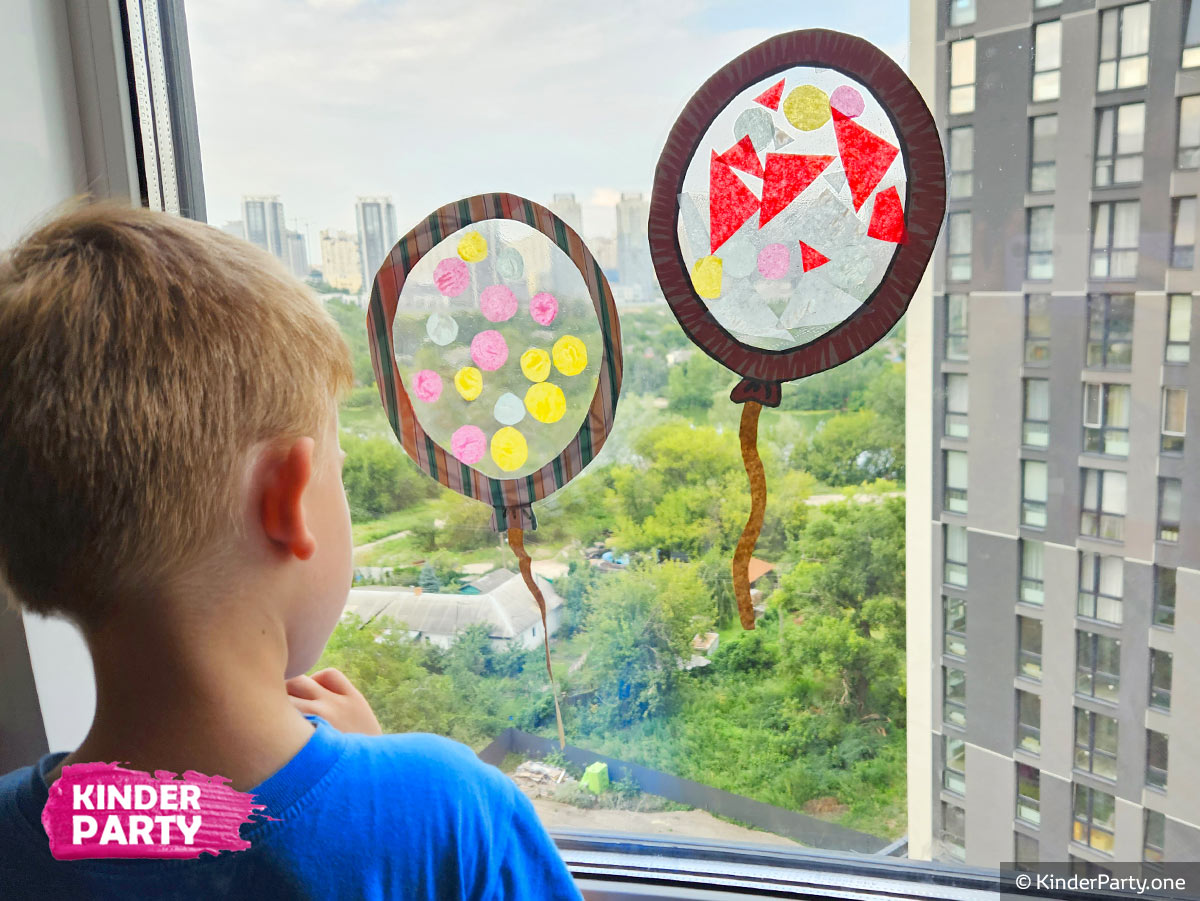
column 1156, row 760
column 956, row 555
column 1106, row 419
column 1110, row 331
column 1034, row 493
column 1035, row 429
column 1174, row 420
column 1029, row 648
column 1124, row 45
column 957, row 399
column 962, row 12
column 954, row 696
column 954, row 831
column 1120, row 135
column 1029, row 794
column 959, row 247
column 1096, row 744
column 1095, row 817
column 1045, row 4
column 962, row 76
column 1164, row 597
column 1029, row 722
column 1101, row 586
column 1043, row 134
column 1037, row 328
column 956, row 327
column 962, row 161
column 1103, row 508
column 1115, row 239
column 1097, row 666
column 1161, row 663
column 1047, row 60
column 954, row 619
column 955, row 497
column 1191, row 37
column 1189, row 133
column 1179, row 328
column 1033, row 589
column 1170, row 502
column 1155, row 830
column 1025, row 849
column 1039, row 260
column 1183, row 233
column 954, row 771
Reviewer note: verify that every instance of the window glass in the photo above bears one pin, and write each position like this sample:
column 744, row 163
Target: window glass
column 962, row 12
column 1047, row 60
column 1029, row 722
column 957, row 400
column 1029, row 648
column 1156, row 760
column 1120, row 134
column 958, row 229
column 962, row 161
column 1103, row 513
column 1043, row 134
column 1098, row 665
column 954, row 696
column 1035, row 493
column 956, row 481
column 962, row 76
column 1179, row 328
column 954, row 612
column 1040, row 260
column 1037, row 328
column 1155, row 826
column 956, row 327
column 1110, row 331
column 1189, row 132
column 1183, row 235
column 1029, row 794
column 1035, row 431
column 1124, row 42
column 954, row 773
column 1106, row 419
column 1170, row 502
column 1160, row 677
column 1096, row 744
column 1174, row 420
column 1095, row 818
column 1115, row 239
column 1032, row 586
column 1164, row 597
column 1191, row 36
column 956, row 555
column 954, row 832
column 1101, row 586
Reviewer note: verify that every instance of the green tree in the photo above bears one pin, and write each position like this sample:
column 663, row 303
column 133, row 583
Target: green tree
column 379, row 477
column 429, row 580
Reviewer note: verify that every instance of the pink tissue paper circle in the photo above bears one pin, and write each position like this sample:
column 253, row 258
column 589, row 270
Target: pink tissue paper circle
column 427, row 385
column 543, row 308
column 847, row 101
column 498, row 303
column 773, row 261
column 451, row 276
column 489, row 350
column 468, row 444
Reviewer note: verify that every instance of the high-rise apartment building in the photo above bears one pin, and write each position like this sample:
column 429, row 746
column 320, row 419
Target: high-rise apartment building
column 1054, row 468
column 636, row 274
column 262, row 217
column 567, row 208
column 297, row 253
column 341, row 264
column 376, row 219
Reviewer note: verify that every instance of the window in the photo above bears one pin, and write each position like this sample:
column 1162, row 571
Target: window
column 1164, row 597
column 962, row 76
column 954, row 696
column 1156, row 760
column 1103, row 508
column 1160, row 679
column 1115, row 239
column 956, row 481
column 1191, row 38
column 958, row 267
column 1155, row 829
column 1124, row 43
column 1035, row 429
column 1034, row 493
column 954, row 772
column 1101, row 586
column 1097, row 666
column 962, row 12
column 1106, row 419
column 1029, row 648
column 1047, row 60
column 1110, row 331
column 1032, row 587
column 962, row 161
column 1120, row 135
column 1029, row 794
column 956, row 327
column 954, row 831
column 1183, row 234
column 1188, row 156
column 1096, row 744
column 1039, row 260
column 1025, row 849
column 1179, row 328
column 1043, row 134
column 1037, row 328
column 1029, row 722
column 1170, row 500
column 957, row 399
column 1095, row 818
column 1174, row 420
column 956, row 555
column 954, row 618
column 1045, row 4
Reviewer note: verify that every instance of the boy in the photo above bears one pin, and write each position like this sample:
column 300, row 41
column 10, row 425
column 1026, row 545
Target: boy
column 170, row 480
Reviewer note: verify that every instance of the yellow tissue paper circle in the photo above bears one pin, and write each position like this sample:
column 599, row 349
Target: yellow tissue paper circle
column 545, row 402
column 535, row 363
column 807, row 107
column 509, row 449
column 469, row 382
column 472, row 247
column 706, row 277
column 570, row 356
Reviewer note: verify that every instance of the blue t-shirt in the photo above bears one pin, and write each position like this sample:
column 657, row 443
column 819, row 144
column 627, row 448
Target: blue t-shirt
column 399, row 816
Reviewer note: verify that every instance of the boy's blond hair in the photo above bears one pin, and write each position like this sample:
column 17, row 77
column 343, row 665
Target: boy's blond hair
column 141, row 357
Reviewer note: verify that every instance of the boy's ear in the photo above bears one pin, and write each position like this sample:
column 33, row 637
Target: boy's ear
column 282, row 514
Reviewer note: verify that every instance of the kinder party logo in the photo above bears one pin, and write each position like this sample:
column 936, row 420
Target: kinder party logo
column 101, row 810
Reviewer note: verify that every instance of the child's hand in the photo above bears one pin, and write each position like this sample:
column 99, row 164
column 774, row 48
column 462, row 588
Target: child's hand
column 331, row 696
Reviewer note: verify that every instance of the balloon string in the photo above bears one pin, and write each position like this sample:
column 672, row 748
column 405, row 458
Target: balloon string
column 516, row 540
column 748, row 434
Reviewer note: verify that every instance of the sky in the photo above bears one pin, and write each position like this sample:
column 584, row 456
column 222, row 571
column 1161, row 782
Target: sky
column 320, row 101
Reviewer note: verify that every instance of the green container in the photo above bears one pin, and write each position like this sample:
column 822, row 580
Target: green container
column 595, row 778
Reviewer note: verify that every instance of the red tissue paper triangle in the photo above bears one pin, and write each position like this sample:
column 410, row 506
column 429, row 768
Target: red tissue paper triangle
column 730, row 203
column 784, row 177
column 770, row 97
column 743, row 156
column 811, row 258
column 865, row 157
column 887, row 218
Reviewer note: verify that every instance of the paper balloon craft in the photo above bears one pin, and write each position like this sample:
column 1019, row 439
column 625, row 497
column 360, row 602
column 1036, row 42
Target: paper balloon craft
column 795, row 207
column 497, row 350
